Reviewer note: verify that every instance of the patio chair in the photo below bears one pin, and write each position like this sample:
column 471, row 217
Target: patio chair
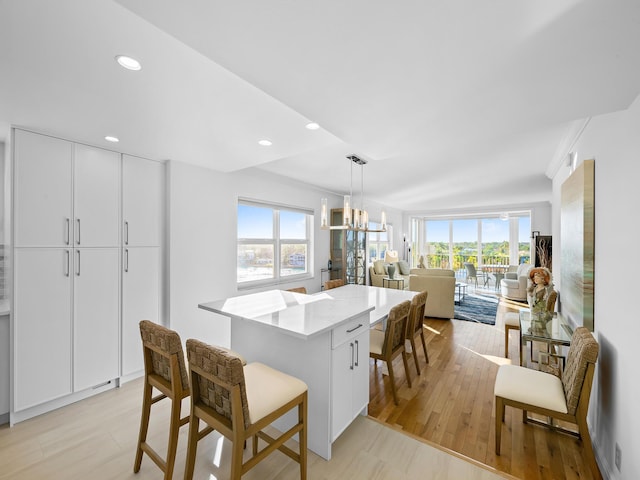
column 474, row 274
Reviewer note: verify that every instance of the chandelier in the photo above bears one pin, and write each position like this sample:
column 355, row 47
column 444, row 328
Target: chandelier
column 356, row 219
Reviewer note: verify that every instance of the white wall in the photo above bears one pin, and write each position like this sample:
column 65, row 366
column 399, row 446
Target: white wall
column 4, row 319
column 613, row 141
column 202, row 240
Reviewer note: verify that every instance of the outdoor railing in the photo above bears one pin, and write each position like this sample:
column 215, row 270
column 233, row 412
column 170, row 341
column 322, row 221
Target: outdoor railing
column 443, row 261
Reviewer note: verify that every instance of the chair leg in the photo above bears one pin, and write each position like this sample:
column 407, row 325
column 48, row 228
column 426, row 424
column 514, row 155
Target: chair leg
column 424, row 345
column 192, row 446
column 499, row 420
column 393, row 381
column 406, row 368
column 144, row 424
column 506, row 342
column 237, row 449
column 174, row 429
column 302, row 437
column 588, row 447
column 415, row 354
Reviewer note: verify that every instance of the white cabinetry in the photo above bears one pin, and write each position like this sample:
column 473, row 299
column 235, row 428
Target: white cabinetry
column 142, row 182
column 142, row 200
column 140, row 301
column 96, row 197
column 43, row 190
column 349, row 373
column 42, row 325
column 96, row 286
column 67, row 269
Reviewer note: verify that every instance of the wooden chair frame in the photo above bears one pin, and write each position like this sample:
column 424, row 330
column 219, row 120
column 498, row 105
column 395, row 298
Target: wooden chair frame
column 236, row 431
column 396, row 326
column 172, row 390
column 415, row 326
column 297, row 290
column 329, row 284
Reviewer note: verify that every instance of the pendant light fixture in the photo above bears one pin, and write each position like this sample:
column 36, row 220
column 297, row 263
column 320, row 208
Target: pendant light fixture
column 356, row 219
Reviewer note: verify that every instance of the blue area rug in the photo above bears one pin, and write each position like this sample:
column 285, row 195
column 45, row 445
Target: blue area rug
column 477, row 308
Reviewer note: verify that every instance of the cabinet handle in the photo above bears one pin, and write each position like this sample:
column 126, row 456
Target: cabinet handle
column 351, row 367
column 78, row 220
column 126, row 260
column 357, row 352
column 78, row 269
column 354, row 328
column 126, row 233
column 67, row 271
column 68, row 237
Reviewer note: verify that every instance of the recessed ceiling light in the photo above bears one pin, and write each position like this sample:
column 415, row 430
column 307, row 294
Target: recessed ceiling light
column 128, row 62
column 312, row 126
column 265, row 143
column 109, row 138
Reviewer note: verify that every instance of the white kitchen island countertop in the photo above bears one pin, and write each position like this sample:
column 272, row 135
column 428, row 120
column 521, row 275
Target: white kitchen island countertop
column 295, row 314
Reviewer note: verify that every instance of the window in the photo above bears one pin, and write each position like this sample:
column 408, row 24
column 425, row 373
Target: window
column 274, row 243
column 479, row 239
column 378, row 242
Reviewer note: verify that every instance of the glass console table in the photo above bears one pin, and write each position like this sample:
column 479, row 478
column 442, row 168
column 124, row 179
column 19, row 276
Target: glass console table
column 556, row 331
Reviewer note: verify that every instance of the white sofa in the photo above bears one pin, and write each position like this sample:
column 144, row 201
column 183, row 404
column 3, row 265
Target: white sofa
column 440, row 285
column 378, row 271
column 514, row 285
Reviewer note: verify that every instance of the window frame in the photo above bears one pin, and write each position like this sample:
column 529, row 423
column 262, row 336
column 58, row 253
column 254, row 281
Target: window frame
column 373, row 238
column 277, row 242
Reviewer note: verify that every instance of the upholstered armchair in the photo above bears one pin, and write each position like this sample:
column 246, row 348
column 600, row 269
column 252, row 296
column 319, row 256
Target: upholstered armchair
column 514, row 285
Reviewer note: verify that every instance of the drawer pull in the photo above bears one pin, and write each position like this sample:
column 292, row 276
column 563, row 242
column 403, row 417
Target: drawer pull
column 354, row 328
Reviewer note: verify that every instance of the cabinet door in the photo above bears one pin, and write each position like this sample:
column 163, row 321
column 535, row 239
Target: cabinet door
column 43, row 190
column 96, row 197
column 142, row 184
column 342, row 365
column 42, row 325
column 96, row 274
column 360, row 380
column 140, row 301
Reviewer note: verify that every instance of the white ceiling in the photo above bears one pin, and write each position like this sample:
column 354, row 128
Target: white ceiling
column 455, row 104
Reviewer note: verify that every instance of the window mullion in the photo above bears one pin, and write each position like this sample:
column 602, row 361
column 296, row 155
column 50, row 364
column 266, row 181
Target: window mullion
column 276, row 239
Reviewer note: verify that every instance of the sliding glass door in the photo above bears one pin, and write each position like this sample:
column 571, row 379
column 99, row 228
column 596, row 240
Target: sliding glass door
column 489, row 239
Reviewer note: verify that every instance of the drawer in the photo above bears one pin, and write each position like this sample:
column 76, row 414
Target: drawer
column 349, row 330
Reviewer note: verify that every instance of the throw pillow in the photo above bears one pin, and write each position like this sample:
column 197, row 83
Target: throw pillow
column 404, row 267
column 378, row 267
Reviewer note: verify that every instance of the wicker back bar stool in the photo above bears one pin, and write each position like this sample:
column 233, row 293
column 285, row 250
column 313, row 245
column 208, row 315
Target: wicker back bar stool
column 239, row 402
column 164, row 370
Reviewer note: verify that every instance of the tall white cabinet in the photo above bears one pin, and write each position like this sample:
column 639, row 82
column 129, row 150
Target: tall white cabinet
column 142, row 182
column 72, row 292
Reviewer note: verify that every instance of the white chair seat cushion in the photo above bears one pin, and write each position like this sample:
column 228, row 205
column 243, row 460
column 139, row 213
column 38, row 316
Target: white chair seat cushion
column 376, row 341
column 530, row 386
column 512, row 319
column 269, row 389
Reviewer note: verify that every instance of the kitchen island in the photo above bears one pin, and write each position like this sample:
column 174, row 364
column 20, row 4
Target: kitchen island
column 323, row 339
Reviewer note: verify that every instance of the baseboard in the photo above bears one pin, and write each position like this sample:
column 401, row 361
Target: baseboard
column 27, row 413
column 4, row 418
column 608, row 473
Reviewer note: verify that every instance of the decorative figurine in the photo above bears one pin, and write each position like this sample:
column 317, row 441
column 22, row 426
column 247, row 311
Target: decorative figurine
column 539, row 290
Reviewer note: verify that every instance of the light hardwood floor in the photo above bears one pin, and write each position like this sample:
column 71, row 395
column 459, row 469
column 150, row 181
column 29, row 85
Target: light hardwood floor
column 96, row 438
column 451, row 403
